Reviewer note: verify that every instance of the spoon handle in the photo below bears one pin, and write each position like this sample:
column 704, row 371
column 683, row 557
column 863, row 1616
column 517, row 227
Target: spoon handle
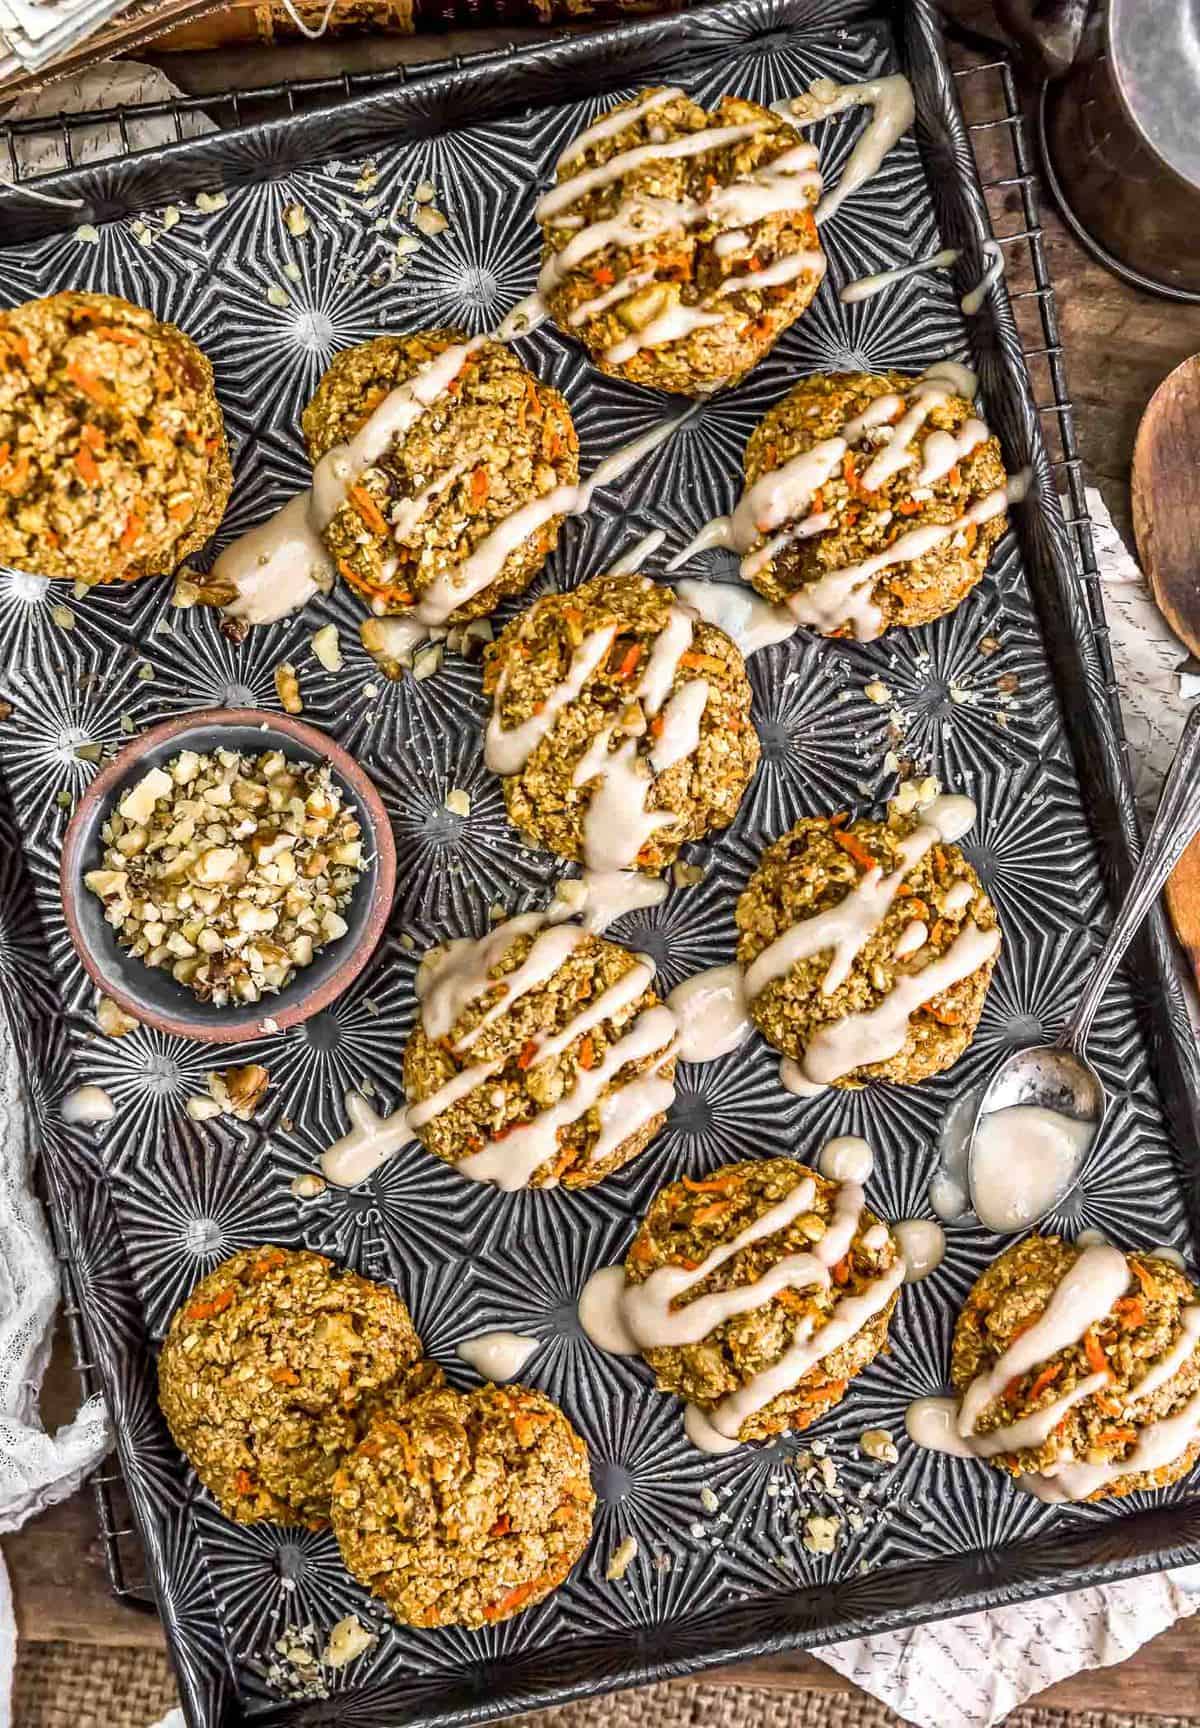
column 1175, row 823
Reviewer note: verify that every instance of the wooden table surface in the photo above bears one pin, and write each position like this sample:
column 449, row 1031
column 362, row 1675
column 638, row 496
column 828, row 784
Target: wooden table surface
column 1120, row 343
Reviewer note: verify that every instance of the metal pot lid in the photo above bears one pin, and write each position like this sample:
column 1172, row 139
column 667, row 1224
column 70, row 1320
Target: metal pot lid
column 1154, row 50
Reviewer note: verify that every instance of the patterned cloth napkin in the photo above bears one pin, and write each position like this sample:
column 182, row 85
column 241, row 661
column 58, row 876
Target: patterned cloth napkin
column 965, row 1673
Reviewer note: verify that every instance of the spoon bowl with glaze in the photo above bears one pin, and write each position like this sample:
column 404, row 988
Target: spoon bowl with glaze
column 1041, row 1111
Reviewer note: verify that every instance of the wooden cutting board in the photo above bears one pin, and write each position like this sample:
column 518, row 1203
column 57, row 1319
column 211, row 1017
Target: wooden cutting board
column 1166, row 522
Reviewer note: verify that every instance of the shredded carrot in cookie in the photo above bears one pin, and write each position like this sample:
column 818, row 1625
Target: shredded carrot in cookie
column 367, row 508
column 851, row 844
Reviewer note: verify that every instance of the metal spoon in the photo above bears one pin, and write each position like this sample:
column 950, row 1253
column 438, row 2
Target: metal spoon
column 1058, row 1076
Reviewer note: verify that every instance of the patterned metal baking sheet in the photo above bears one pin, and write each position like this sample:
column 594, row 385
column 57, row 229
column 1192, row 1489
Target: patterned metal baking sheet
column 149, row 1203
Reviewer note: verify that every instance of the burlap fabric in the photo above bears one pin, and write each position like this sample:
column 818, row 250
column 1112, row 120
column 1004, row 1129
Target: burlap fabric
column 80, row 1686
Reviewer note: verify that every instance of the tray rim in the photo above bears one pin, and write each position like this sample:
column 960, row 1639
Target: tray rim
column 917, row 31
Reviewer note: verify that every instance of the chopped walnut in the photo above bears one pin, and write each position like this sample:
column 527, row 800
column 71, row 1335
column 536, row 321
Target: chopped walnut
column 239, row 1091
column 348, row 1640
column 877, row 1443
column 821, row 1534
column 229, row 871
column 287, row 686
column 112, row 1019
column 622, row 1559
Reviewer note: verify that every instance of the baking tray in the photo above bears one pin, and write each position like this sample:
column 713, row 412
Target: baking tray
column 144, row 1210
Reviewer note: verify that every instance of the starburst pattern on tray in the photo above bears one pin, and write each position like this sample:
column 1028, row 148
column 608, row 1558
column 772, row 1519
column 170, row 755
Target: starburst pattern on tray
column 469, row 276
column 802, row 704
column 280, row 331
column 272, row 1575
column 186, row 1211
column 168, row 1197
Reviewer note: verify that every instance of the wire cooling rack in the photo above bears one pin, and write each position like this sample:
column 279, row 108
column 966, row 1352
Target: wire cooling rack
column 988, row 92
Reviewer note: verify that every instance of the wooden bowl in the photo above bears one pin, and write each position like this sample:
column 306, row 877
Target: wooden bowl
column 150, row 993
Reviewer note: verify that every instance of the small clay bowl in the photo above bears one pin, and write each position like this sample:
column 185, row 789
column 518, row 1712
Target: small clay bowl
column 150, row 993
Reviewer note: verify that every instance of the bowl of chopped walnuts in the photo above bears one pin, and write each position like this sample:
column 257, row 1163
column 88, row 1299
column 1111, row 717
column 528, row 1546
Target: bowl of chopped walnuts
column 228, row 874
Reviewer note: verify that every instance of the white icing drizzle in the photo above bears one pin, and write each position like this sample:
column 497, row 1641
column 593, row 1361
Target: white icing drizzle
column 784, row 494
column 777, row 508
column 843, row 596
column 459, row 1086
column 524, row 318
column 497, row 1355
column 680, row 734
column 1086, row 1294
column 914, row 935
column 867, row 286
column 551, row 949
column 793, row 1079
column 399, row 410
column 634, row 221
column 879, row 411
column 842, row 930
column 450, row 979
column 974, row 298
column 612, row 1000
column 784, row 269
column 941, row 450
column 409, row 513
column 570, row 191
column 1023, row 1160
column 849, row 1317
column 277, row 566
column 672, row 325
column 845, row 928
column 615, row 122
column 730, row 241
column 1159, row 1444
column 712, row 1014
column 846, row 1159
column 891, row 100
column 616, row 824
column 657, row 1323
column 609, row 894
column 507, row 749
column 370, row 1140
column 758, row 560
column 669, row 646
column 747, row 619
column 629, row 563
column 923, row 1245
column 601, row 1315
column 512, row 1161
column 958, row 896
column 894, row 455
column 933, row 1424
column 622, row 289
column 459, row 584
column 783, row 184
column 1169, row 1365
column 879, row 1033
column 703, row 1436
